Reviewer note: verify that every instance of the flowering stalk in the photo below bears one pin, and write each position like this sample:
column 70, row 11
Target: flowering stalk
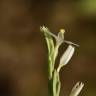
column 53, row 73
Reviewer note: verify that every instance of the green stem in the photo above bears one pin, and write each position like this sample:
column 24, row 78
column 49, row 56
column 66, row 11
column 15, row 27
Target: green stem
column 50, row 87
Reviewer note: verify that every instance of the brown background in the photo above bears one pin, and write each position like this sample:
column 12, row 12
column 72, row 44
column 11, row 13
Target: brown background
column 23, row 51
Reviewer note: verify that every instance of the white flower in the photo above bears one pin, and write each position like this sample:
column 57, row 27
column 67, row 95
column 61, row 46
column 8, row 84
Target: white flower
column 59, row 38
column 77, row 89
column 66, row 57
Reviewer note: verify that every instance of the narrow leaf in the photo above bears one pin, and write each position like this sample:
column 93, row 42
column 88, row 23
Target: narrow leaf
column 50, row 45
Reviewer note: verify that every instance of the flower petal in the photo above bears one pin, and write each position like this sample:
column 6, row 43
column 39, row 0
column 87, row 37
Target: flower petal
column 77, row 89
column 66, row 56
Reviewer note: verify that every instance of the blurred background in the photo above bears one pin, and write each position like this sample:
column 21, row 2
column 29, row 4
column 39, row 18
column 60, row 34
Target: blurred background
column 23, row 51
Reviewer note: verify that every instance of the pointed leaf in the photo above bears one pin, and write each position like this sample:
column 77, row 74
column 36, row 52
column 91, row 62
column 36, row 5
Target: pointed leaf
column 50, row 45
